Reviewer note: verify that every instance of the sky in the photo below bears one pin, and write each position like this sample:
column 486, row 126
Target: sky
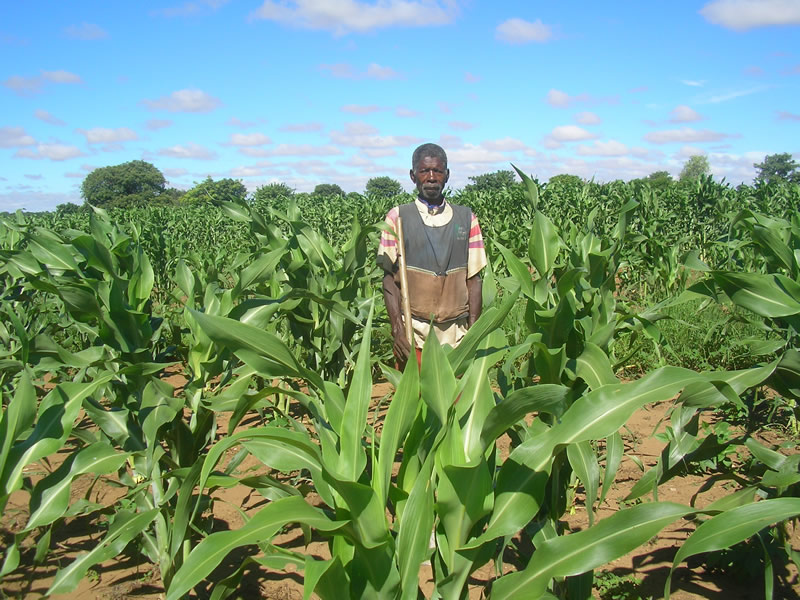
column 305, row 92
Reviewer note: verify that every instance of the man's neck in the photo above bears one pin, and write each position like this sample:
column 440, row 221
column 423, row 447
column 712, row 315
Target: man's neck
column 433, row 206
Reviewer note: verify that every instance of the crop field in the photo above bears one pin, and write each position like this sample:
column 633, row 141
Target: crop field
column 201, row 401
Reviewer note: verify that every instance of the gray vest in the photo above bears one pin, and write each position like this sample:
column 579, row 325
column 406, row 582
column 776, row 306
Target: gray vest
column 436, row 258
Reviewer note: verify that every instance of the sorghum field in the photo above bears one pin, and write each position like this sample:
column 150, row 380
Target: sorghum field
column 200, row 401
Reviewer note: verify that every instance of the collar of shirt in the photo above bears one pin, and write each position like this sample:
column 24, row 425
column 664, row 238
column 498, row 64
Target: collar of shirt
column 433, row 209
column 436, row 218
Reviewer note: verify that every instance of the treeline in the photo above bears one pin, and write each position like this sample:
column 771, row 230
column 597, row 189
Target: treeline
column 139, row 183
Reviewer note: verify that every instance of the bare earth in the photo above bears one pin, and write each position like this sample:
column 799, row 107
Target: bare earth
column 129, row 577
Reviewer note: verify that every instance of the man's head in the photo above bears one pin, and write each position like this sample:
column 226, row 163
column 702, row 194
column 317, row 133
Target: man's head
column 429, row 172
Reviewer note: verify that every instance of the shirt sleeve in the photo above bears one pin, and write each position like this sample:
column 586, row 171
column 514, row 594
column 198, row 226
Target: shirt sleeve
column 476, row 256
column 387, row 247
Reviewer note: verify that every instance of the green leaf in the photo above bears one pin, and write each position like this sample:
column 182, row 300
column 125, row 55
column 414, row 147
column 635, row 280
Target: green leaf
column 396, row 425
column 126, row 526
column 437, row 381
column 352, row 458
column 518, row 270
column 415, row 529
column 50, row 498
column 548, row 398
column 212, row 550
column 17, row 418
column 543, row 244
column 594, row 367
column 614, row 451
column 259, row 349
column 584, row 462
column 57, row 414
column 733, row 526
column 766, row 295
column 580, row 552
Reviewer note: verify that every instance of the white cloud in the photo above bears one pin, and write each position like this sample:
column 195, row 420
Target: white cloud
column 25, row 86
column 741, row 15
column 609, row 148
column 471, row 78
column 379, row 152
column 236, row 122
column 376, row 71
column 685, row 135
column 506, row 144
column 51, row 151
column 461, row 125
column 716, row 99
column 15, row 137
column 684, row 114
column 363, row 135
column 45, row 116
column 156, row 124
column 175, row 172
column 102, row 135
column 185, row 101
column 86, row 31
column 246, row 171
column 340, row 70
column 249, row 139
column 693, row 82
column 359, row 128
column 560, row 99
column 347, row 16
column 787, row 116
column 519, row 31
column 373, row 71
column 34, row 201
column 358, row 109
column 302, row 127
column 404, row 112
column 587, row 118
column 570, row 133
column 293, row 150
column 189, row 9
column 474, row 154
column 689, row 151
column 61, row 77
column 191, row 150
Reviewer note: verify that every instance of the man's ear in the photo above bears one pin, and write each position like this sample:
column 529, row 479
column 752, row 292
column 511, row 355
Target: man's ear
column 413, row 177
column 446, row 175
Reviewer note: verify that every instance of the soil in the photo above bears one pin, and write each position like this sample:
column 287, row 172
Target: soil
column 133, row 577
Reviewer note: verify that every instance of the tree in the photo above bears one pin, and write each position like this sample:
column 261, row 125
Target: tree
column 383, row 187
column 777, row 167
column 68, row 208
column 328, row 189
column 224, row 190
column 658, row 180
column 694, row 167
column 491, row 182
column 128, row 184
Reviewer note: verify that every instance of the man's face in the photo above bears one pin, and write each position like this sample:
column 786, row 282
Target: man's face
column 430, row 176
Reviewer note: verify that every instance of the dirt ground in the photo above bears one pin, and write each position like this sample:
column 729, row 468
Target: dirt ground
column 131, row 577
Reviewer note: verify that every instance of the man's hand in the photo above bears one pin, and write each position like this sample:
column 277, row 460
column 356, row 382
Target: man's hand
column 475, row 299
column 401, row 347
column 391, row 296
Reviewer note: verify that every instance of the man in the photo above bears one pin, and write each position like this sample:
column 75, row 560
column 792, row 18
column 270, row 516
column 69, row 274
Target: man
column 444, row 256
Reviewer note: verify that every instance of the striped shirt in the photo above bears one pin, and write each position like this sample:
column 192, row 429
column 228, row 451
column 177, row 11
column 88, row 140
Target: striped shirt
column 387, row 249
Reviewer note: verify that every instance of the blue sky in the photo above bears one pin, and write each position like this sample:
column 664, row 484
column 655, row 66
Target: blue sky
column 323, row 91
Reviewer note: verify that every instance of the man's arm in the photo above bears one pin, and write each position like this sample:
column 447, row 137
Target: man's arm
column 475, row 298
column 391, row 297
